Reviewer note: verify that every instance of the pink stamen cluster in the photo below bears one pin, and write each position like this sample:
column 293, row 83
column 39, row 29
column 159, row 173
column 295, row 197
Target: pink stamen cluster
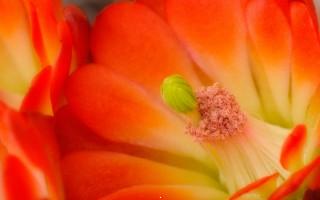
column 221, row 116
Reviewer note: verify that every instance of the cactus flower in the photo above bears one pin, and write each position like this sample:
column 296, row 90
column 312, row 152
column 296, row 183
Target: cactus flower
column 181, row 100
column 190, row 99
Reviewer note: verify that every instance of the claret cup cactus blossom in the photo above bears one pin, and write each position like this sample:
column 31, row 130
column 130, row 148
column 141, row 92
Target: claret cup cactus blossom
column 179, row 100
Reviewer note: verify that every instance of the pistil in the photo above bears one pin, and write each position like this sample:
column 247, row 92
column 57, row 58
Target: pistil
column 221, row 116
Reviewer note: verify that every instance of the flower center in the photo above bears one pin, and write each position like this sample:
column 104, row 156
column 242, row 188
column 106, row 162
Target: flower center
column 220, row 115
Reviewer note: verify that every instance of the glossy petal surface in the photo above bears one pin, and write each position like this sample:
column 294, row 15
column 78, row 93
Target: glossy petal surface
column 293, row 147
column 306, row 61
column 17, row 180
column 80, row 29
column 120, row 110
column 214, row 34
column 17, row 70
column 114, row 171
column 38, row 156
column 132, row 40
column 270, row 46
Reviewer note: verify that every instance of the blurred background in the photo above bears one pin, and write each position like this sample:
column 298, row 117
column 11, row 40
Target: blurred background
column 90, row 6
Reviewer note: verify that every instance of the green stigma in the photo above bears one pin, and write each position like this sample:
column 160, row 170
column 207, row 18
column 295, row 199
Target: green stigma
column 178, row 94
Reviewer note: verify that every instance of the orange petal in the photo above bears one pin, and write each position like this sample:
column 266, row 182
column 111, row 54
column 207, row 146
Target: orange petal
column 46, row 90
column 296, row 180
column 62, row 65
column 167, row 193
column 306, row 60
column 80, row 29
column 132, row 40
column 19, row 130
column 99, row 173
column 118, row 109
column 37, row 37
column 45, row 156
column 45, row 15
column 40, row 154
column 311, row 5
column 17, row 57
column 215, row 35
column 17, row 181
column 37, row 98
column 157, row 5
column 270, row 42
column 293, row 149
column 13, row 17
column 263, row 186
column 74, row 135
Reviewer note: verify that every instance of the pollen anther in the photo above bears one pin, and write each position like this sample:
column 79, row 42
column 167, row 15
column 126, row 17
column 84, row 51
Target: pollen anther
column 221, row 116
